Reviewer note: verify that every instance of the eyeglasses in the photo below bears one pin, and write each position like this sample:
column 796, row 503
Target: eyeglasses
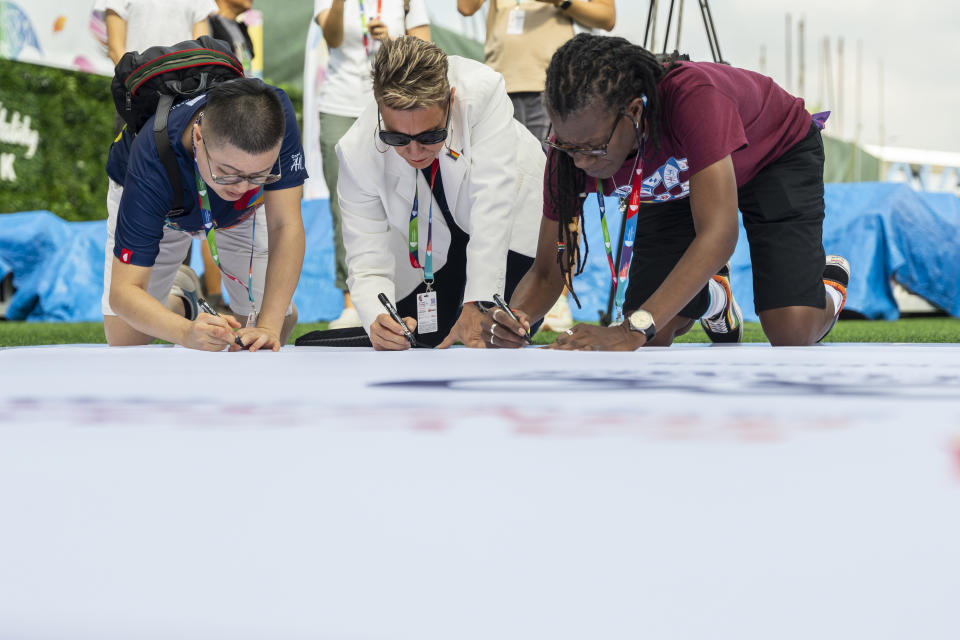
column 261, row 179
column 593, row 152
column 397, row 139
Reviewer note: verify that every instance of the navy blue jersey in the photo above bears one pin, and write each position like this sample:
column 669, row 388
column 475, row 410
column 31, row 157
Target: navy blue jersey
column 148, row 196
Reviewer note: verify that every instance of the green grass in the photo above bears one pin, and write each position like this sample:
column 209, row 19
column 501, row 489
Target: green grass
column 18, row 334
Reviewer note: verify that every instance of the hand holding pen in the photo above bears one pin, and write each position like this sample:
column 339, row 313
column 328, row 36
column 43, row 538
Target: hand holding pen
column 504, row 327
column 208, row 309
column 390, row 332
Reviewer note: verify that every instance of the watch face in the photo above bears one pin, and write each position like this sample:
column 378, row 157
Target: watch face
column 640, row 320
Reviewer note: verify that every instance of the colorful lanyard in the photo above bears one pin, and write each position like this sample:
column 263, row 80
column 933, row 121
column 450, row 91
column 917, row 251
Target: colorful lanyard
column 414, row 239
column 207, row 217
column 629, row 231
column 363, row 27
column 363, row 24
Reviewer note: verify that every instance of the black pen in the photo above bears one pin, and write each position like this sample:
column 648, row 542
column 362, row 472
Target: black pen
column 503, row 306
column 396, row 318
column 208, row 309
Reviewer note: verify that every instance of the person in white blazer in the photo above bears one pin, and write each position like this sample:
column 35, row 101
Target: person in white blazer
column 447, row 121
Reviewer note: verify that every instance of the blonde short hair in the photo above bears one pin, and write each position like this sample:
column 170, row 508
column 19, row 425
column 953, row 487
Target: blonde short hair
column 410, row 73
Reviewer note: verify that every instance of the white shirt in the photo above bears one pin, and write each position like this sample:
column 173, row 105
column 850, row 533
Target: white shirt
column 494, row 190
column 160, row 23
column 348, row 85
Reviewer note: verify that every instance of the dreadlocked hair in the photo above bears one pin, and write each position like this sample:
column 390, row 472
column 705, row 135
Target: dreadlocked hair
column 595, row 73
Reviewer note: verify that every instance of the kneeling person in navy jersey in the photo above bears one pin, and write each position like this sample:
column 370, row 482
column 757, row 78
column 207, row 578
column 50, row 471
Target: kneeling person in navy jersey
column 240, row 158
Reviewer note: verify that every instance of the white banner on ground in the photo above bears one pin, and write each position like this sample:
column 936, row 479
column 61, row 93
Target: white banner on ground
column 69, row 35
column 686, row 493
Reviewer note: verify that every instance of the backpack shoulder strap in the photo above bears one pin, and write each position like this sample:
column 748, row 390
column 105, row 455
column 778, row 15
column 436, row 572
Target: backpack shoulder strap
column 165, row 153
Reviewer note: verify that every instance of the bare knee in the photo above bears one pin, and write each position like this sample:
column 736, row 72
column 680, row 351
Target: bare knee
column 790, row 334
column 794, row 326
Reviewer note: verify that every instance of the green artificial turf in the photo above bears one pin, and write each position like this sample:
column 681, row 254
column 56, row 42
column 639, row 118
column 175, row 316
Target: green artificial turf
column 933, row 329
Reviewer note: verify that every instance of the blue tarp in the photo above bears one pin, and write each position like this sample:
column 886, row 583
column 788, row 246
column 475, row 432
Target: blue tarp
column 885, row 230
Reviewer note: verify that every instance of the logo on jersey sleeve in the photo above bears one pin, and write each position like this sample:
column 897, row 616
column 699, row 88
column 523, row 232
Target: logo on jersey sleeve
column 296, row 162
column 125, row 255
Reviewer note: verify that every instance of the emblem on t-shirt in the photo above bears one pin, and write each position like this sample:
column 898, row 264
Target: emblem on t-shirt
column 669, row 182
column 125, row 255
column 250, row 200
column 296, row 162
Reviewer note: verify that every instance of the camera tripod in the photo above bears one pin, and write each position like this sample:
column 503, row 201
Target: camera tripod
column 649, row 33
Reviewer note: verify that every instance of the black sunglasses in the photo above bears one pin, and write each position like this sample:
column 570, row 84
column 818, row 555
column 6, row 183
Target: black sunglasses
column 397, row 139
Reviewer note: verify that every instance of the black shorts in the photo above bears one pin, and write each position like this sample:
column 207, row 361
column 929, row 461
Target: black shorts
column 782, row 208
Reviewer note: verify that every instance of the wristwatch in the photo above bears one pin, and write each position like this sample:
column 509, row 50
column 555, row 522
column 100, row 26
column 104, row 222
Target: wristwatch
column 642, row 322
column 565, row 5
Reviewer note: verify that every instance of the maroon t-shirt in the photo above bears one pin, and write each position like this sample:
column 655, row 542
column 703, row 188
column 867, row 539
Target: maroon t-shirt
column 710, row 111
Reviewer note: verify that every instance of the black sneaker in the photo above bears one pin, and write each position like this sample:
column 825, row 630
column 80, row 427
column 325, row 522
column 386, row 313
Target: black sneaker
column 836, row 274
column 726, row 326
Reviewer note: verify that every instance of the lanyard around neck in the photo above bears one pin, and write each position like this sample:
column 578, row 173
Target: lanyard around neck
column 414, row 235
column 619, row 276
column 363, row 24
column 207, row 215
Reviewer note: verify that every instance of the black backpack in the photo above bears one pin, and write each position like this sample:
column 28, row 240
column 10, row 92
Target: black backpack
column 150, row 83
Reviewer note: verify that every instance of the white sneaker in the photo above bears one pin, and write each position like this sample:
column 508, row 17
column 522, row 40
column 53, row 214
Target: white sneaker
column 558, row 319
column 348, row 318
column 186, row 284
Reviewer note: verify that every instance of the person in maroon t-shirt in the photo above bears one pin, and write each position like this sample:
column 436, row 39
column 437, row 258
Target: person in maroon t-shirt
column 685, row 145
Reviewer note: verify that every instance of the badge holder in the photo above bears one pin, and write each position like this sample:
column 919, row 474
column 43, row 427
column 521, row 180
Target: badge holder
column 515, row 21
column 427, row 310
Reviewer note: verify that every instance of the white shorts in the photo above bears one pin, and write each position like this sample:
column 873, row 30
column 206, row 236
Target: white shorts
column 233, row 245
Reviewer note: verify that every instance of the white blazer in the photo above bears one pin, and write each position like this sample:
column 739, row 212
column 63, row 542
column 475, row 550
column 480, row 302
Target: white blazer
column 494, row 191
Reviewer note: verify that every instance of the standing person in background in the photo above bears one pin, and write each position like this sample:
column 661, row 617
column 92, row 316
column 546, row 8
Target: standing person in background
column 354, row 31
column 137, row 25
column 225, row 26
column 521, row 38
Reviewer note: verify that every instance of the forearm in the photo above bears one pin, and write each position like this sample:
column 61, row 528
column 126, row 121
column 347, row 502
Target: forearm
column 469, row 7
column 537, row 291
column 116, row 36
column 702, row 259
column 286, row 246
column 145, row 314
column 331, row 23
column 422, row 32
column 201, row 28
column 598, row 14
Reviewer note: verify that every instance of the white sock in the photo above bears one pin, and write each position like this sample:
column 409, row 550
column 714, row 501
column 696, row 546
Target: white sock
column 718, row 299
column 836, row 296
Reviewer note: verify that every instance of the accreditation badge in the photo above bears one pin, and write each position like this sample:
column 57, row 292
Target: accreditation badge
column 427, row 312
column 515, row 22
